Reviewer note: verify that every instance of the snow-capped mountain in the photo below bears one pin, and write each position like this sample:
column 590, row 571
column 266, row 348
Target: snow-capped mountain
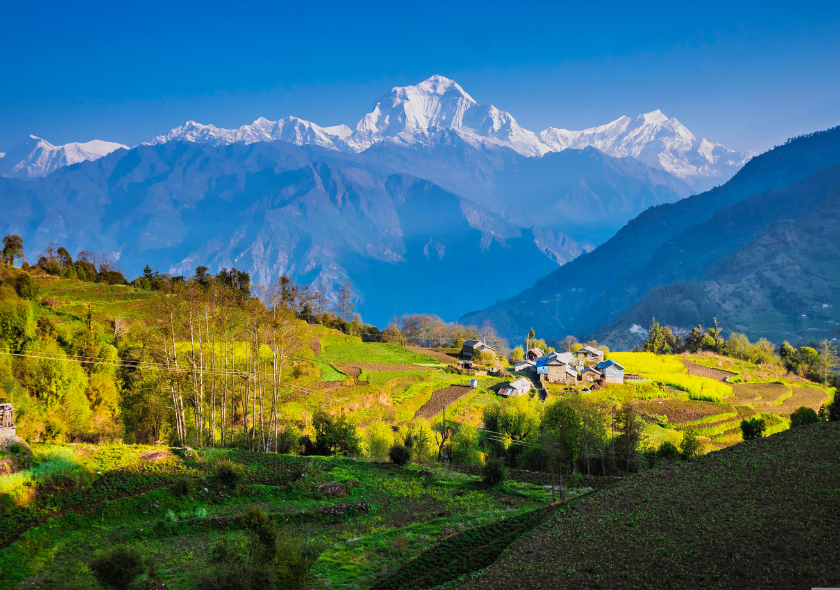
column 413, row 114
column 37, row 157
column 426, row 113
column 659, row 142
column 291, row 129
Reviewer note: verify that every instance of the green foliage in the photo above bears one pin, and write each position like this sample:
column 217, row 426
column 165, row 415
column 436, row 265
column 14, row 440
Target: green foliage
column 380, row 439
column 228, row 473
column 803, row 416
column 563, row 423
column 333, row 435
column 495, row 471
column 753, row 428
column 517, row 354
column 668, row 451
column 399, row 455
column 26, row 287
column 118, row 567
column 17, row 324
column 465, row 445
column 690, row 447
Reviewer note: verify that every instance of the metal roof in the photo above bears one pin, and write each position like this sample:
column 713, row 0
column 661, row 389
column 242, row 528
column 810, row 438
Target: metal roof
column 608, row 364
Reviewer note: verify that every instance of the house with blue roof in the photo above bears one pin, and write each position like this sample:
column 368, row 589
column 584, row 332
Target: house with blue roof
column 611, row 371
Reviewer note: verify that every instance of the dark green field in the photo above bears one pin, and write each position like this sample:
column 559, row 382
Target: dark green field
column 762, row 514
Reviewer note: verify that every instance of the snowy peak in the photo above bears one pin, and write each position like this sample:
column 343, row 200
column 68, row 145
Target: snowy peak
column 659, row 142
column 37, row 157
column 411, row 114
column 289, row 129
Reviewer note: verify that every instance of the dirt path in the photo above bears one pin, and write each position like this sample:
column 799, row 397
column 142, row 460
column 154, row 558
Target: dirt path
column 701, row 371
column 440, row 399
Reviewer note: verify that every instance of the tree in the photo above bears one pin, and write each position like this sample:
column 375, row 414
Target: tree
column 344, row 302
column 656, row 338
column 828, row 357
column 380, row 439
column 564, row 424
column 696, row 338
column 531, row 336
column 334, row 435
column 64, row 258
column 517, row 354
column 753, row 428
column 568, row 343
column 690, row 447
column 715, row 334
column 803, row 416
column 12, row 249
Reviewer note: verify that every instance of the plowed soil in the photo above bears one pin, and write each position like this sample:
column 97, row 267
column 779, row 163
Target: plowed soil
column 440, row 399
column 756, row 393
column 315, row 345
column 680, row 411
column 701, row 371
column 810, row 397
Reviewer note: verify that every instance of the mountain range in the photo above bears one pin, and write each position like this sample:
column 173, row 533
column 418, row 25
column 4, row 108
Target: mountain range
column 423, row 113
column 759, row 253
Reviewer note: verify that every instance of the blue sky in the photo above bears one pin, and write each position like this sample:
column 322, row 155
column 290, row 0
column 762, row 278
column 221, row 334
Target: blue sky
column 746, row 75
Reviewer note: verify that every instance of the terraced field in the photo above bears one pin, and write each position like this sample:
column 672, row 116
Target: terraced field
column 701, row 371
column 757, row 393
column 685, row 412
column 440, row 399
column 810, row 397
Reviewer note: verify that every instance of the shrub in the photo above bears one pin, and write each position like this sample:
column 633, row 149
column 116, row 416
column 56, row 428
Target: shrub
column 690, row 447
column 228, row 473
column 380, row 439
column 118, row 567
column 668, row 451
column 753, row 428
column 803, row 416
column 399, row 455
column 494, row 471
column 183, row 486
column 26, row 288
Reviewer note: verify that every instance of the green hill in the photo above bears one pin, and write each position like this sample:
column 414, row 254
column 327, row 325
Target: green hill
column 762, row 514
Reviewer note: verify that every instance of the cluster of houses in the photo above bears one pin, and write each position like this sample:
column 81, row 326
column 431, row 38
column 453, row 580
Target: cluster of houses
column 586, row 365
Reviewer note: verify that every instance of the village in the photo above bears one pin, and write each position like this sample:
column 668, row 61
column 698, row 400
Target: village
column 586, row 366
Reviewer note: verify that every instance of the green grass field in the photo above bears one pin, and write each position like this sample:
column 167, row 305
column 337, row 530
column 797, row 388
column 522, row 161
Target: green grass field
column 348, row 349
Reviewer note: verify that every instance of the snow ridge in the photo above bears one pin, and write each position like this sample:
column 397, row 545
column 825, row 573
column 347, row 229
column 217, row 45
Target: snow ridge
column 37, row 157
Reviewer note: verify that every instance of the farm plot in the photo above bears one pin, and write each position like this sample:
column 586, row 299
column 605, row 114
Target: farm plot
column 440, row 399
column 352, row 350
column 810, row 397
column 683, row 412
column 756, row 393
column 701, row 371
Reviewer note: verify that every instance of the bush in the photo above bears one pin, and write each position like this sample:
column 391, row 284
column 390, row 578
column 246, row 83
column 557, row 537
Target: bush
column 690, row 447
column 380, row 439
column 118, row 567
column 399, row 455
column 26, row 288
column 753, row 428
column 494, row 471
column 803, row 416
column 668, row 451
column 183, row 486
column 228, row 473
